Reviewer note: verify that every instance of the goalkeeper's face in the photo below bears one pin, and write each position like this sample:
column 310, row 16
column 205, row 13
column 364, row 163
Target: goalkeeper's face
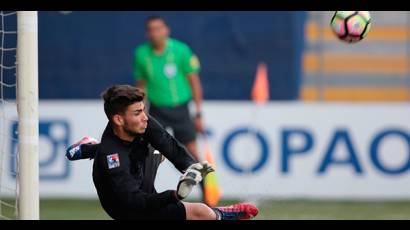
column 135, row 119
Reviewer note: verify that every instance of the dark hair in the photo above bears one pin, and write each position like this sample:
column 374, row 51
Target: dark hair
column 153, row 18
column 118, row 97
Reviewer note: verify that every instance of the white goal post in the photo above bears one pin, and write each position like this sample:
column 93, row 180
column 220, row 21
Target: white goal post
column 27, row 108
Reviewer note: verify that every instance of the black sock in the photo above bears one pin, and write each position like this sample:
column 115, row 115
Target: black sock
column 218, row 213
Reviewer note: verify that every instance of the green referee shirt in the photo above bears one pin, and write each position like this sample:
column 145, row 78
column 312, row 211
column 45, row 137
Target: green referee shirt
column 165, row 74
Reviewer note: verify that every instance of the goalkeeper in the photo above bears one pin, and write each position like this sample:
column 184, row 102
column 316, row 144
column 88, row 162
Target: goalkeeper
column 125, row 165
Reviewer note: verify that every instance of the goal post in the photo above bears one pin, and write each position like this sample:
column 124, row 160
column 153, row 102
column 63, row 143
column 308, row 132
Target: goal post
column 27, row 108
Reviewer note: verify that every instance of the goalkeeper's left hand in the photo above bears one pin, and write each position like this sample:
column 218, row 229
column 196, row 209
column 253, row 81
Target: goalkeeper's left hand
column 206, row 168
column 191, row 177
column 203, row 167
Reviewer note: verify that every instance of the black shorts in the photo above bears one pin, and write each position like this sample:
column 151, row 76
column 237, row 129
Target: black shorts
column 173, row 211
column 177, row 118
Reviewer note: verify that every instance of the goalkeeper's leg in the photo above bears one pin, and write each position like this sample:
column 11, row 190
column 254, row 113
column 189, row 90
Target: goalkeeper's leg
column 200, row 211
column 241, row 211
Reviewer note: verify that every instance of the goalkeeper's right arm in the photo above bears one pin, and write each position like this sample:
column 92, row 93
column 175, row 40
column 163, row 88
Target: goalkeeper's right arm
column 86, row 148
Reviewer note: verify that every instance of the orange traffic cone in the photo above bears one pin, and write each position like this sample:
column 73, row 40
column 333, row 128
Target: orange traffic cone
column 211, row 186
column 260, row 90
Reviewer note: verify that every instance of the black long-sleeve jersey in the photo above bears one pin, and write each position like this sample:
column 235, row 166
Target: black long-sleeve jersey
column 124, row 172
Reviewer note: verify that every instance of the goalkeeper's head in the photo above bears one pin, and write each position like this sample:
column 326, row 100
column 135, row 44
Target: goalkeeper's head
column 125, row 109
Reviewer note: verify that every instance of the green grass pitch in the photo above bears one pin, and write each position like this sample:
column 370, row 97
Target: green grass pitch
column 76, row 209
column 272, row 210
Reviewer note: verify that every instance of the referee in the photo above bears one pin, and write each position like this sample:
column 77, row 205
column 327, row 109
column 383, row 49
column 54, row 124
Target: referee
column 168, row 71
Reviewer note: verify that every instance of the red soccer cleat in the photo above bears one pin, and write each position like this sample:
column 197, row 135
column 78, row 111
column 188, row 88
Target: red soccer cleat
column 241, row 211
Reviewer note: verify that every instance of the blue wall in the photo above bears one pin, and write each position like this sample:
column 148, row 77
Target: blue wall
column 82, row 53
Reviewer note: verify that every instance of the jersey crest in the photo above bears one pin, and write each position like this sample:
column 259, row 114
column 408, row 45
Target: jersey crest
column 113, row 161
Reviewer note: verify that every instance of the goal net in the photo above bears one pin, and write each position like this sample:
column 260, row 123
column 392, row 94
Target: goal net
column 19, row 197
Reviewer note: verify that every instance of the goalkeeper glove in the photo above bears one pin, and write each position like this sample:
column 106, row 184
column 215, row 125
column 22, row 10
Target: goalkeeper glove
column 191, row 177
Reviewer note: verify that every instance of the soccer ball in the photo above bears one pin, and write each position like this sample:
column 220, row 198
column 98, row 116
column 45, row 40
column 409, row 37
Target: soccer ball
column 351, row 26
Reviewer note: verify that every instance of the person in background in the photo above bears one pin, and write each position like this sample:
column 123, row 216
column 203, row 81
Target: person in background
column 168, row 71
